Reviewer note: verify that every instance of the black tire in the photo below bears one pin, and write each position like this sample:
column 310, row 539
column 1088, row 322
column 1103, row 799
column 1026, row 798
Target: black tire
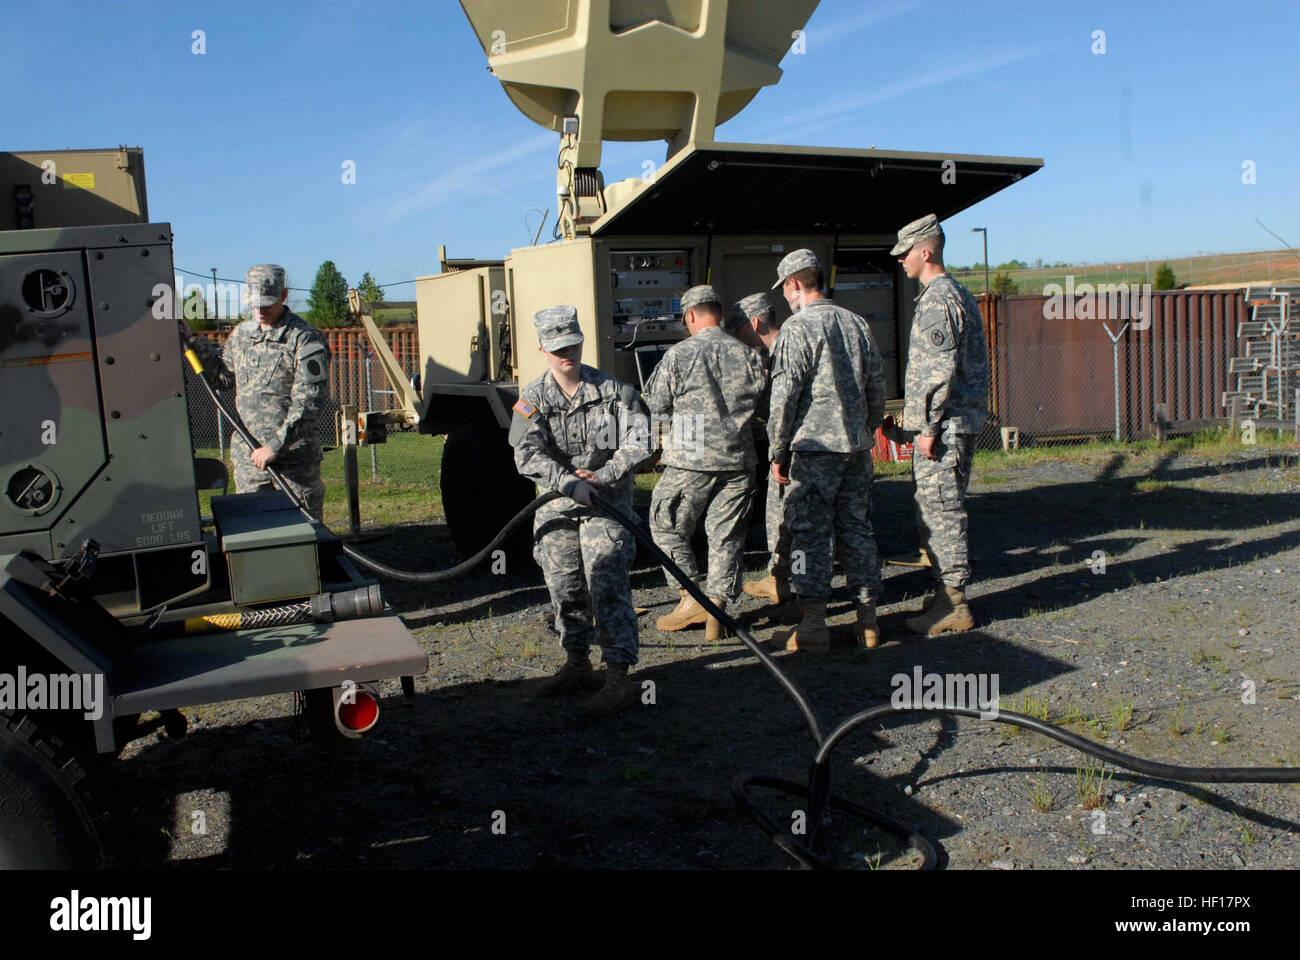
column 481, row 491
column 56, row 809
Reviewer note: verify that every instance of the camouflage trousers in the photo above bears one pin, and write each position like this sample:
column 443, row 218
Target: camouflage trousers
column 300, row 473
column 585, row 558
column 940, row 502
column 778, row 535
column 722, row 498
column 830, row 494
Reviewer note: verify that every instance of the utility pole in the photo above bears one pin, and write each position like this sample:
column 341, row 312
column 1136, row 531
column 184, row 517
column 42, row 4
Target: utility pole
column 985, row 231
column 216, row 314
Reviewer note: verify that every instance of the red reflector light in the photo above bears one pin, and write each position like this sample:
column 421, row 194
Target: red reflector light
column 361, row 714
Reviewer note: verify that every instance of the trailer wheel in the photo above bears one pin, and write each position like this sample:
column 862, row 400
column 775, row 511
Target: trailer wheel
column 481, row 491
column 54, row 812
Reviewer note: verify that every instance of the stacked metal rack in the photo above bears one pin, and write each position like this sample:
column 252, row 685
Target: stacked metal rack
column 1268, row 365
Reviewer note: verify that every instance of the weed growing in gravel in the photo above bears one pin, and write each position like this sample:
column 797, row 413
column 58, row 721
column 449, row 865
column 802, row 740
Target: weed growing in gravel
column 530, row 650
column 1040, row 796
column 1072, row 714
column 1036, row 707
column 1092, row 779
column 1176, row 728
column 1121, row 715
column 1180, row 827
column 1244, row 831
column 1201, row 655
column 1198, row 728
column 1221, row 734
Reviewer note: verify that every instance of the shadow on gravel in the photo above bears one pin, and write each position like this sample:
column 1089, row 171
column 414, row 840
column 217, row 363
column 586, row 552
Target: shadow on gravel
column 647, row 789
column 1053, row 530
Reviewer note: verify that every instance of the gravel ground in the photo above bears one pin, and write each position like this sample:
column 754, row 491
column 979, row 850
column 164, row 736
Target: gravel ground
column 1200, row 596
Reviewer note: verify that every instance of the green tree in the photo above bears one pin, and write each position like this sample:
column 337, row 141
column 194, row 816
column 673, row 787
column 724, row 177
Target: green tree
column 1002, row 283
column 195, row 311
column 370, row 291
column 328, row 300
column 1165, row 279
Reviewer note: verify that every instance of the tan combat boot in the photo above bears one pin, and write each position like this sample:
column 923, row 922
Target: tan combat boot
column 618, row 693
column 811, row 635
column 948, row 612
column 685, row 614
column 712, row 625
column 576, row 674
column 866, row 632
column 769, row 588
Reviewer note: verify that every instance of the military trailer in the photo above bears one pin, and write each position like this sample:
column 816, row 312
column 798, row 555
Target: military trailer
column 716, row 212
column 117, row 597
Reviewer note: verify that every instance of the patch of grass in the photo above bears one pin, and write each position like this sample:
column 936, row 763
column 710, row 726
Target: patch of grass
column 1152, row 486
column 1121, row 715
column 1176, row 728
column 530, row 650
column 1221, row 734
column 1092, row 778
column 1201, row 655
column 408, row 467
column 1040, row 796
column 994, row 478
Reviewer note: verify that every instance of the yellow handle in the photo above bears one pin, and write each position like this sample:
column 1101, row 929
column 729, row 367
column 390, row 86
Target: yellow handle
column 195, row 363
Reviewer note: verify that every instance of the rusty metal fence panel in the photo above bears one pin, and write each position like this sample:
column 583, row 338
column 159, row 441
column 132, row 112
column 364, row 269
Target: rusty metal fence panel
column 1083, row 366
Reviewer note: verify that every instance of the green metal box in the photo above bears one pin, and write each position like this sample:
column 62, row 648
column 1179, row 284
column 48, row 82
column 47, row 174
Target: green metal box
column 270, row 547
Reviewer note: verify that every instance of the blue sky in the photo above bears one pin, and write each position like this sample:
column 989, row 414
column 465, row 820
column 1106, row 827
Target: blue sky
column 1143, row 146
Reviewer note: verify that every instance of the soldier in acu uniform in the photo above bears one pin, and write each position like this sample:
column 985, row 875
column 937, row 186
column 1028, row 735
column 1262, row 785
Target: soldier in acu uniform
column 576, row 429
column 710, row 384
column 944, row 403
column 828, row 396
column 753, row 321
column 279, row 366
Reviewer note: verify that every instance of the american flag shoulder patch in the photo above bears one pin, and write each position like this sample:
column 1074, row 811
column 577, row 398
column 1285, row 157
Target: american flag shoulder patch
column 524, row 409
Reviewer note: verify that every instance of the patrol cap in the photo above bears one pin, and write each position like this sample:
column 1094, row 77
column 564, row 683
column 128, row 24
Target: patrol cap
column 697, row 295
column 265, row 284
column 793, row 262
column 754, row 305
column 915, row 232
column 557, row 327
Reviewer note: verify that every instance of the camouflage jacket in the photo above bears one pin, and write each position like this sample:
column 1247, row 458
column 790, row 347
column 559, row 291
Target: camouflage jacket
column 828, row 385
column 280, row 377
column 947, row 362
column 711, row 384
column 602, row 428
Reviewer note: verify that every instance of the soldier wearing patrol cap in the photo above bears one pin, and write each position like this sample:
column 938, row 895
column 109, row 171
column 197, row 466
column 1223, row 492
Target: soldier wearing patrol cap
column 944, row 402
column 828, row 396
column 752, row 320
column 710, row 385
column 278, row 365
column 576, row 429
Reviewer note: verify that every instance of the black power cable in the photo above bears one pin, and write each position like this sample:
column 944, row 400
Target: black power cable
column 811, row 853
